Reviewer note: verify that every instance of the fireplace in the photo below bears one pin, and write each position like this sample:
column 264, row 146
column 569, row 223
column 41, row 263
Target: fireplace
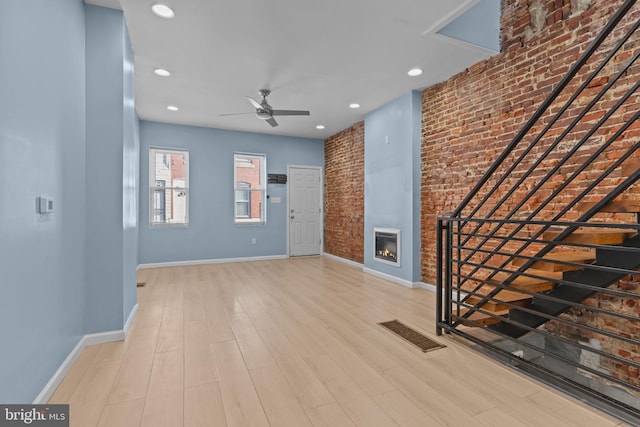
column 386, row 247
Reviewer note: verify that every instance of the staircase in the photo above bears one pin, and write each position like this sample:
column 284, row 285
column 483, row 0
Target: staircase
column 537, row 264
column 543, row 282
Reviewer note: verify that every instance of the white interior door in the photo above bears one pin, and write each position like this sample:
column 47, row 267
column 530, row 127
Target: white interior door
column 305, row 211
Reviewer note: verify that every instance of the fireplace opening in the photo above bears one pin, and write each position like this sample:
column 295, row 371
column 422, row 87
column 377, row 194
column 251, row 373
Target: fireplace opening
column 387, row 245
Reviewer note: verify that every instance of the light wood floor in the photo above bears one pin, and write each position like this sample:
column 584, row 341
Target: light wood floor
column 295, row 343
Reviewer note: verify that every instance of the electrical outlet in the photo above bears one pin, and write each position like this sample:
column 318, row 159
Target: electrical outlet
column 253, row 241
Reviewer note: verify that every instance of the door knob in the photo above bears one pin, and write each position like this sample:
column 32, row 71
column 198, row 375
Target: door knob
column 291, row 217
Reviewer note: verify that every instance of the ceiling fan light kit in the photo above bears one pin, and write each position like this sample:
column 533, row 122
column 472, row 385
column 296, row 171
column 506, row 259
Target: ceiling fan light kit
column 265, row 112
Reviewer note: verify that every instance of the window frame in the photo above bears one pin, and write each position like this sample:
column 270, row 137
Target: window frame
column 153, row 180
column 262, row 190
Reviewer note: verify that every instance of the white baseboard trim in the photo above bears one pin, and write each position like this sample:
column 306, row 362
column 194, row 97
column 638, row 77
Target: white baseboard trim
column 127, row 324
column 57, row 377
column 432, row 288
column 343, row 260
column 209, row 261
column 403, row 282
column 426, row 286
column 85, row 341
column 104, row 337
column 394, row 279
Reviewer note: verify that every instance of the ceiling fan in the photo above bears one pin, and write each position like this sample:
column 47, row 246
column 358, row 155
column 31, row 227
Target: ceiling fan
column 265, row 112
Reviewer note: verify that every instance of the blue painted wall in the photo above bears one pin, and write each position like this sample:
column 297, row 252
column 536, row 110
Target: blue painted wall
column 112, row 153
column 392, row 181
column 42, row 152
column 130, row 183
column 211, row 233
column 480, row 25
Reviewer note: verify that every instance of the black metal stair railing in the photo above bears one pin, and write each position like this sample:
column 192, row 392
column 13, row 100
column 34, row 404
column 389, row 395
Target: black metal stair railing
column 535, row 266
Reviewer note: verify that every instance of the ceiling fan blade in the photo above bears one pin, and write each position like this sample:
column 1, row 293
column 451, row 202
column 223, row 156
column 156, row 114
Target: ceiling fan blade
column 272, row 122
column 236, row 114
column 254, row 102
column 290, row 113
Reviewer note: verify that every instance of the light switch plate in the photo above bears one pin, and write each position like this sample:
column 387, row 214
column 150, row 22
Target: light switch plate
column 44, row 204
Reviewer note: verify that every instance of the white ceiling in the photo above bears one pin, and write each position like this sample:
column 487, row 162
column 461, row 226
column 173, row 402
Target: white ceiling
column 314, row 55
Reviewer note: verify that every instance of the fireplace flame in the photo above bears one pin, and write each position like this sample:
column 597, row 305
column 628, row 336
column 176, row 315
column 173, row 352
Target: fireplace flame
column 386, row 253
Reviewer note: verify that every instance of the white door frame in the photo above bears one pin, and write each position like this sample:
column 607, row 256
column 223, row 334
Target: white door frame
column 321, row 193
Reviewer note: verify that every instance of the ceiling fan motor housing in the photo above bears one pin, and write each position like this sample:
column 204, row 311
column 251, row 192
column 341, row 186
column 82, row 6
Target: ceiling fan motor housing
column 264, row 113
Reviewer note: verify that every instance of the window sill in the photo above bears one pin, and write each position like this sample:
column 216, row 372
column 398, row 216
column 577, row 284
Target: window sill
column 249, row 222
column 163, row 225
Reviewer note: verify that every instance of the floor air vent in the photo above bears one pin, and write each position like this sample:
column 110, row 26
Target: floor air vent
column 416, row 338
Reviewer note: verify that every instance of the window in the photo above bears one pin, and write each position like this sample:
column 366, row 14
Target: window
column 249, row 188
column 243, row 201
column 168, row 187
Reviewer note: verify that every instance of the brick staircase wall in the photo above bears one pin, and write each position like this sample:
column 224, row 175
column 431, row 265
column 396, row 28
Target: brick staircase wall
column 470, row 118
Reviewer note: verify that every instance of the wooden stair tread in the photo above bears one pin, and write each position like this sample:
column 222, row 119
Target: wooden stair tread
column 530, row 284
column 505, row 295
column 481, row 318
column 593, row 236
column 615, row 206
column 573, row 256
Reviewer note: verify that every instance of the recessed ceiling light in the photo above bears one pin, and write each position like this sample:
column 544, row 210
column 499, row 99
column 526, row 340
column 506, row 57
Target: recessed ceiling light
column 162, row 72
column 354, row 105
column 163, row 11
column 320, row 127
column 415, row 72
column 172, row 108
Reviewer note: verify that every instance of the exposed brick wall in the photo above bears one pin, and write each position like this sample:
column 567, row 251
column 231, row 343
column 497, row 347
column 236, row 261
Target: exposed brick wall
column 344, row 194
column 626, row 350
column 469, row 119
